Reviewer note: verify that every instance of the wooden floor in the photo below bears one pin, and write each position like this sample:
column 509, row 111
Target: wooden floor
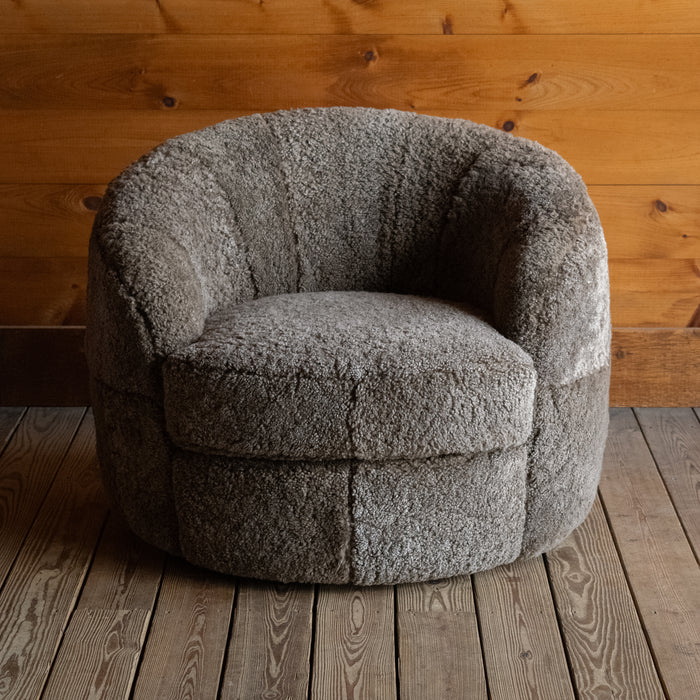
column 88, row 611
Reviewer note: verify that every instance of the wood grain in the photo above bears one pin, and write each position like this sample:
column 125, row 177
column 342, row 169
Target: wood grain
column 43, row 366
column 187, row 640
column 650, row 367
column 438, row 641
column 354, row 644
column 661, row 569
column 644, row 292
column 27, row 468
column 655, row 367
column 649, row 221
column 607, row 652
column 126, row 572
column 47, row 221
column 654, row 292
column 656, row 309
column 92, row 146
column 674, row 440
column 270, row 644
column 10, row 416
column 342, row 17
column 640, row 221
column 268, row 72
column 104, row 638
column 523, row 651
column 98, row 656
column 608, row 655
column 41, row 590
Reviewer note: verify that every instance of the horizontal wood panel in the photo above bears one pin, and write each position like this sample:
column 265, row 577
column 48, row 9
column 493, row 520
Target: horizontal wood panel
column 606, row 147
column 50, row 291
column 645, row 292
column 640, row 221
column 652, row 276
column 350, row 16
column 243, row 72
column 649, row 221
column 654, row 309
column 650, row 367
column 654, row 292
column 46, row 221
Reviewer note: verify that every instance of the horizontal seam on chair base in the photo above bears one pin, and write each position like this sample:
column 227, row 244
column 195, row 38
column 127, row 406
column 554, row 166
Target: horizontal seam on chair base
column 563, row 385
column 126, row 392
column 203, row 451
column 369, row 375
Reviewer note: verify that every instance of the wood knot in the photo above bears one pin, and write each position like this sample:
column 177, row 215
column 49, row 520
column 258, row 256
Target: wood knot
column 661, row 206
column 92, row 203
column 530, row 80
column 370, row 56
column 508, row 125
column 169, row 102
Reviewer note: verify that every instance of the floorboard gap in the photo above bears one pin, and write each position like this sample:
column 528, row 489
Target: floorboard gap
column 312, row 646
column 227, row 651
column 481, row 636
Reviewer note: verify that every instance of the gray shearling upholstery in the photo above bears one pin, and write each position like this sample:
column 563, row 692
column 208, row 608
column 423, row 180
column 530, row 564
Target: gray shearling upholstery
column 349, row 345
column 339, row 364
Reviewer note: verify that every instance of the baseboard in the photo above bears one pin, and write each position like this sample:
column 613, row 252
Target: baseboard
column 45, row 366
column 655, row 367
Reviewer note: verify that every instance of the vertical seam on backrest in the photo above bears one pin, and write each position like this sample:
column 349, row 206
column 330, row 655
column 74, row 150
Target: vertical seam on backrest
column 291, row 216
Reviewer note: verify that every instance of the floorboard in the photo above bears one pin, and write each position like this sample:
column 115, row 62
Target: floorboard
column 9, row 418
column 523, row 651
column 269, row 651
column 604, row 638
column 674, row 440
column 87, row 610
column 660, row 565
column 438, row 635
column 106, row 633
column 27, row 468
column 354, row 650
column 45, row 580
column 185, row 649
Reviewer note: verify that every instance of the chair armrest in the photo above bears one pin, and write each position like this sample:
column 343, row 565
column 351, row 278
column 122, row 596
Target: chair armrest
column 146, row 293
column 529, row 247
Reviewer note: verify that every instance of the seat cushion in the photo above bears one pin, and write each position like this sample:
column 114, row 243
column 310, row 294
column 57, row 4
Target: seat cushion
column 336, row 375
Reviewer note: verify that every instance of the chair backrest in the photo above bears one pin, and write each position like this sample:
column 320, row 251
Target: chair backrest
column 338, row 198
column 354, row 199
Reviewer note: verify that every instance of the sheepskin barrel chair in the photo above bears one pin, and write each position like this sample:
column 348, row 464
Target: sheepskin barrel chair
column 349, row 345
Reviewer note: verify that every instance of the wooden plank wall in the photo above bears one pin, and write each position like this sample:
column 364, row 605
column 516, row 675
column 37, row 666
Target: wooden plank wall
column 85, row 88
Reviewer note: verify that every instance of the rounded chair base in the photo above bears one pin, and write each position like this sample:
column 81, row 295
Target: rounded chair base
column 351, row 521
column 355, row 521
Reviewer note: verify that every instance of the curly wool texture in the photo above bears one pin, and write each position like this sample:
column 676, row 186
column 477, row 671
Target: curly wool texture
column 349, row 344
